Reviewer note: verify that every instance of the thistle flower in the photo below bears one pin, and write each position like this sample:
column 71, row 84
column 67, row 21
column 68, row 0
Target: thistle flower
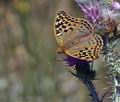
column 103, row 14
column 71, row 61
column 85, row 74
column 91, row 9
column 97, row 10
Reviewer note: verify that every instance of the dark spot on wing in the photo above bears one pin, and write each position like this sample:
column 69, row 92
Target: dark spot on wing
column 66, row 22
column 65, row 30
column 63, row 26
column 69, row 24
column 57, row 20
column 84, row 53
column 81, row 51
column 71, row 28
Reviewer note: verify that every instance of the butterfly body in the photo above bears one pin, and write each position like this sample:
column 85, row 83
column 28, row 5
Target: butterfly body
column 76, row 37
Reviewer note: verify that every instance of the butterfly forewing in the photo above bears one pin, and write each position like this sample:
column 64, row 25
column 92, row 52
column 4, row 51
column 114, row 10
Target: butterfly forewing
column 66, row 25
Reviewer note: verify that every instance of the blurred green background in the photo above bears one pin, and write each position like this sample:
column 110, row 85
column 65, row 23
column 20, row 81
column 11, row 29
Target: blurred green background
column 29, row 69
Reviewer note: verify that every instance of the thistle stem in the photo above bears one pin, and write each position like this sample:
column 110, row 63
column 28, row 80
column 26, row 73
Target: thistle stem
column 92, row 90
column 90, row 86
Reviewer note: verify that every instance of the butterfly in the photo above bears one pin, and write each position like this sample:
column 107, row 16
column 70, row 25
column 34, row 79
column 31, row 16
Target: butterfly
column 76, row 37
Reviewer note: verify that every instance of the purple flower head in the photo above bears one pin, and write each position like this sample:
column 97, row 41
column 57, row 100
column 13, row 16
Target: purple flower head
column 71, row 61
column 91, row 9
column 97, row 10
column 115, row 5
column 82, row 67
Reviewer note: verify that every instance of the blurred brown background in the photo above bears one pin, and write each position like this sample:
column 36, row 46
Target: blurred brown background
column 29, row 71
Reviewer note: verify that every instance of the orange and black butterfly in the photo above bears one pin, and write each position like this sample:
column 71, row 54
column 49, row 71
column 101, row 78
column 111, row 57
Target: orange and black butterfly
column 76, row 37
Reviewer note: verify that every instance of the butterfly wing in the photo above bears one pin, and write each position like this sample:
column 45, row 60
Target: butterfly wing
column 88, row 50
column 65, row 26
column 76, row 36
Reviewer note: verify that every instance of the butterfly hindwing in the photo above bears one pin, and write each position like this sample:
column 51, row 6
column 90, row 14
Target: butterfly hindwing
column 89, row 50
